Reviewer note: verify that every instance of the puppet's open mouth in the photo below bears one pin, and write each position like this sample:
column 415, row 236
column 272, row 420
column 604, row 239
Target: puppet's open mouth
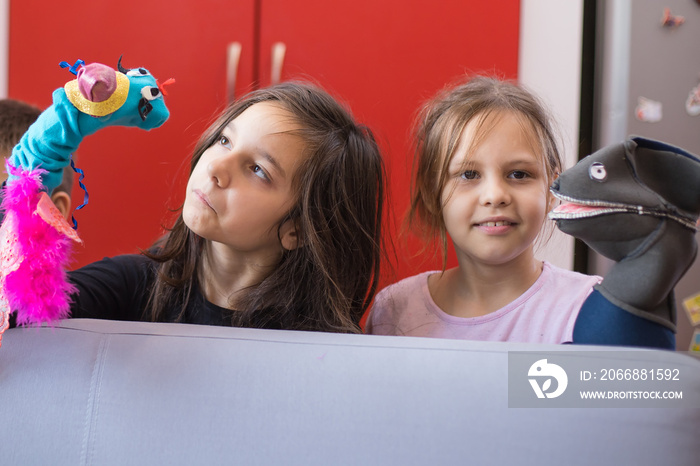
column 571, row 208
column 574, row 209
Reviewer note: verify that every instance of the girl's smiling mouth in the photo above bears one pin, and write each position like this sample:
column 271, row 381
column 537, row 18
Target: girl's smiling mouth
column 495, row 226
column 499, row 223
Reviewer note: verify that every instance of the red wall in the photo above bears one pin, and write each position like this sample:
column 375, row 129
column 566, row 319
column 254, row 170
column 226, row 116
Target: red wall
column 384, row 58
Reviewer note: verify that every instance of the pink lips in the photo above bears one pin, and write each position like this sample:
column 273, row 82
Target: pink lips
column 204, row 198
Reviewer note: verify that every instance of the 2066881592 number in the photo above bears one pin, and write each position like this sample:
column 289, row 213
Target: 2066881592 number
column 640, row 374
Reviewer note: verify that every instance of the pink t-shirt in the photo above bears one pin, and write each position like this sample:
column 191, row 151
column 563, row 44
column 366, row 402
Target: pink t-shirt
column 545, row 313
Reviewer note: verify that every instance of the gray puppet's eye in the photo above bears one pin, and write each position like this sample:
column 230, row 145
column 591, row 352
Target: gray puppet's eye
column 597, row 171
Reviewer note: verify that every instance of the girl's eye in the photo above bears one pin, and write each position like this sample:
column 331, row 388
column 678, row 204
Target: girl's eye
column 224, row 141
column 470, row 175
column 260, row 173
column 519, row 175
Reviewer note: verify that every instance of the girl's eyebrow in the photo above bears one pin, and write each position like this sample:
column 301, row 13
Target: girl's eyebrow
column 460, row 163
column 523, row 162
column 273, row 161
column 231, row 126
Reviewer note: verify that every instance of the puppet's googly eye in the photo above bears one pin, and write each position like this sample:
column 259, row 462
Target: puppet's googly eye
column 150, row 93
column 138, row 72
column 597, row 171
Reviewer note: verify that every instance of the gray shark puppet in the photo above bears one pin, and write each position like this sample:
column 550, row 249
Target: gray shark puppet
column 636, row 203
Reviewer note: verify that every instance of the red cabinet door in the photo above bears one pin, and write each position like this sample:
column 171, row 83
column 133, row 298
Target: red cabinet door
column 383, row 57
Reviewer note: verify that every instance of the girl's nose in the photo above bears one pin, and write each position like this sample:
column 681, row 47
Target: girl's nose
column 218, row 171
column 494, row 192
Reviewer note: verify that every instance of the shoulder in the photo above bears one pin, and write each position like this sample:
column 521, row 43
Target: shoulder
column 565, row 293
column 559, row 277
column 405, row 289
column 395, row 303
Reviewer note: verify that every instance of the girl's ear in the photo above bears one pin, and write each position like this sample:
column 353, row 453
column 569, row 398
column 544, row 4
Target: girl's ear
column 289, row 236
column 62, row 202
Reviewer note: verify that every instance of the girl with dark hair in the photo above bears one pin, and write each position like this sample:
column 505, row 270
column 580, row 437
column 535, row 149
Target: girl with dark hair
column 280, row 228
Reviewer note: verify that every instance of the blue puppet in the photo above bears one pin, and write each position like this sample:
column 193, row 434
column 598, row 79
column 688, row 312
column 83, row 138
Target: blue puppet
column 638, row 204
column 99, row 97
column 35, row 240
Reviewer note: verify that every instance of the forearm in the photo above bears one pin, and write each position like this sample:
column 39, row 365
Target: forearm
column 50, row 141
column 112, row 288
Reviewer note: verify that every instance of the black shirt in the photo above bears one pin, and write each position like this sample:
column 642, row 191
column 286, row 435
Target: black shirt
column 118, row 288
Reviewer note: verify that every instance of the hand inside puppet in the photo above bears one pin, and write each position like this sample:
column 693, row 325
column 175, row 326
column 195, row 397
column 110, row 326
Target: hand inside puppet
column 35, row 240
column 638, row 204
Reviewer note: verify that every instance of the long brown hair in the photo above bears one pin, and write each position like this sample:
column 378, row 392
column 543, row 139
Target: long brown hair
column 328, row 282
column 438, row 129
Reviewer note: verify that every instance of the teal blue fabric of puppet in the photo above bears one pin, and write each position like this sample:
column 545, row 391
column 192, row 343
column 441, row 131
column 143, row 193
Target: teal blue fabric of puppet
column 98, row 97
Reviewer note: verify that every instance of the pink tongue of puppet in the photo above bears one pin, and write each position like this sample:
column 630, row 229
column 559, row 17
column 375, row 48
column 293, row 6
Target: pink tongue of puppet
column 571, row 208
column 97, row 82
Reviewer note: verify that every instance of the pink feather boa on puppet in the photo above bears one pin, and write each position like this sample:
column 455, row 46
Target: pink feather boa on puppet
column 36, row 245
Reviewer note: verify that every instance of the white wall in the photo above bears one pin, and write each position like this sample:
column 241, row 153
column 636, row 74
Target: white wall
column 550, row 65
column 4, row 46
